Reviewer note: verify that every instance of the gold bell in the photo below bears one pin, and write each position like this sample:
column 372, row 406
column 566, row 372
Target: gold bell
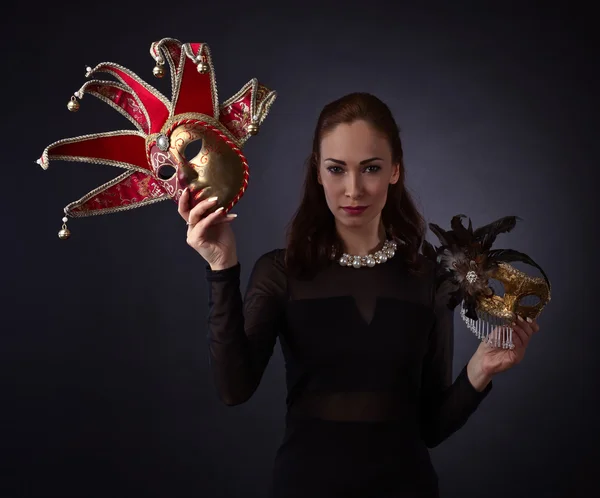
column 253, row 128
column 64, row 233
column 203, row 67
column 73, row 105
column 158, row 71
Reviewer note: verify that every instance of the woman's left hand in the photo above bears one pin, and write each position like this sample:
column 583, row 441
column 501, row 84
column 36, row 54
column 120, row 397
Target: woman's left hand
column 493, row 360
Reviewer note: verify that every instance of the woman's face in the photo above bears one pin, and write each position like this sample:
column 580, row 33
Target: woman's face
column 355, row 170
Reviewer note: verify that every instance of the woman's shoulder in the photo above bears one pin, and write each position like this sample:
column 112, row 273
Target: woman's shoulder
column 270, row 266
column 425, row 272
column 418, row 265
column 426, row 265
column 273, row 258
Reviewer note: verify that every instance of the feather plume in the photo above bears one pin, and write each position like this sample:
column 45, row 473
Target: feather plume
column 487, row 234
column 442, row 235
column 510, row 256
column 462, row 234
column 429, row 251
column 465, row 259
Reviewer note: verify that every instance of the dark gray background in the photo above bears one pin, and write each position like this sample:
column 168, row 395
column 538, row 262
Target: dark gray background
column 105, row 385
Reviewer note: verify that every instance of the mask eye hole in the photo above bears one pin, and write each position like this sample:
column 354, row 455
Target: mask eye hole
column 192, row 149
column 529, row 300
column 497, row 287
column 166, row 172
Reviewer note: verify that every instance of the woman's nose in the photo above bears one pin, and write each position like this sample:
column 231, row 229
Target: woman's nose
column 354, row 187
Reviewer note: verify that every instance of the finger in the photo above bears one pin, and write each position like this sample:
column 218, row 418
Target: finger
column 183, row 205
column 524, row 325
column 199, row 228
column 224, row 219
column 534, row 325
column 520, row 337
column 198, row 212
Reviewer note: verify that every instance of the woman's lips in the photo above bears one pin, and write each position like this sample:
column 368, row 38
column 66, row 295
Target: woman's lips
column 354, row 210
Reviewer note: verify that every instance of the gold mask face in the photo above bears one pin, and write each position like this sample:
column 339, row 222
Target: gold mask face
column 496, row 312
column 201, row 161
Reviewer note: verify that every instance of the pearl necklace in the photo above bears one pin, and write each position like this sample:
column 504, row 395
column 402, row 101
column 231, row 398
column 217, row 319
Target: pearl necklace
column 387, row 252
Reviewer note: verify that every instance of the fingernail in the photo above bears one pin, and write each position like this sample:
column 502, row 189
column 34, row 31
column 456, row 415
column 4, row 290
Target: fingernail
column 232, row 215
column 220, row 209
column 212, row 199
column 520, row 318
column 529, row 320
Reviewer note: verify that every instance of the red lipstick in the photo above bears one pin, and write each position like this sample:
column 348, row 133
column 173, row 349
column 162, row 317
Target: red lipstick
column 354, row 210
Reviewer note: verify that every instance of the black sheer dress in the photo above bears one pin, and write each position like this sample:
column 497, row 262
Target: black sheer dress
column 368, row 356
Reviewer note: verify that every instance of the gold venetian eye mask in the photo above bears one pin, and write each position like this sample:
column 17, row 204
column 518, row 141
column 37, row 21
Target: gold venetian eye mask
column 521, row 295
column 466, row 259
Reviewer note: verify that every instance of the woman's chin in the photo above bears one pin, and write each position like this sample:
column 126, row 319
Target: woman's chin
column 353, row 222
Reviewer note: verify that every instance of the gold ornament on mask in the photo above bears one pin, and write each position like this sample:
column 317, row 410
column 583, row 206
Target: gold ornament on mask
column 158, row 71
column 73, row 104
column 466, row 261
column 64, row 233
column 203, row 67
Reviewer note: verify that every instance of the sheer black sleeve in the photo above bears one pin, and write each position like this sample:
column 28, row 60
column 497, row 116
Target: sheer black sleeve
column 445, row 406
column 242, row 334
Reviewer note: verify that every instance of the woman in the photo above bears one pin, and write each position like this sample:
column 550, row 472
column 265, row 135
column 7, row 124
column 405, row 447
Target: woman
column 368, row 350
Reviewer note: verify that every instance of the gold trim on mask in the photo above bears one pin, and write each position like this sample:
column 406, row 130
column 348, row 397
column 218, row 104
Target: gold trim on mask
column 125, row 88
column 45, row 161
column 261, row 100
column 201, row 118
column 204, row 55
column 107, row 69
column 159, row 52
column 101, row 188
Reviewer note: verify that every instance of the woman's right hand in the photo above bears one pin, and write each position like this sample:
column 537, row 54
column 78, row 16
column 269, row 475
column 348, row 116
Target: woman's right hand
column 210, row 235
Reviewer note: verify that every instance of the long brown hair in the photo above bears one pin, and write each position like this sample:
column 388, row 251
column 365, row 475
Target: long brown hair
column 312, row 237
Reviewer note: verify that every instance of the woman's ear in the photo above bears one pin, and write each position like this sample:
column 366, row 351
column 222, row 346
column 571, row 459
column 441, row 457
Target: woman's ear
column 314, row 160
column 395, row 174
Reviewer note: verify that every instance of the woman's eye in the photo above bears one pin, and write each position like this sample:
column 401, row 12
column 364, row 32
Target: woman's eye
column 373, row 168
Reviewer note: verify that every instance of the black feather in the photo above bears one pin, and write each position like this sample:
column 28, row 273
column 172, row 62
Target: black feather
column 440, row 233
column 463, row 237
column 510, row 255
column 429, row 251
column 470, row 305
column 456, row 298
column 487, row 234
